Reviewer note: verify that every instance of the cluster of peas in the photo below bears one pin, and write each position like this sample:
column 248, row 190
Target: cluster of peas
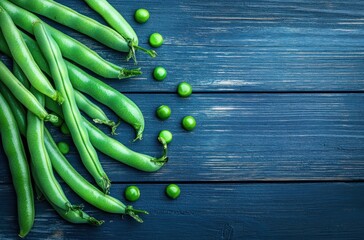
column 163, row 112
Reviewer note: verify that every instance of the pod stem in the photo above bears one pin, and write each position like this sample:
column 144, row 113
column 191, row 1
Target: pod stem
column 94, row 222
column 58, row 98
column 133, row 46
column 134, row 213
column 164, row 158
column 128, row 73
column 107, row 123
column 51, row 118
column 105, row 184
column 113, row 128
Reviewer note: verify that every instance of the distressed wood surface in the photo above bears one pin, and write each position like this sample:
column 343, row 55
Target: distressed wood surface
column 278, row 97
column 215, row 211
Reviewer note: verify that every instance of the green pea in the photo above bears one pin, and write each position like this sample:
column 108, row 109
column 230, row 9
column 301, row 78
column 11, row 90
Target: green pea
column 64, row 129
column 173, row 191
column 63, row 147
column 166, row 135
column 189, row 123
column 184, row 89
column 155, row 40
column 141, row 15
column 163, row 112
column 160, row 73
column 132, row 193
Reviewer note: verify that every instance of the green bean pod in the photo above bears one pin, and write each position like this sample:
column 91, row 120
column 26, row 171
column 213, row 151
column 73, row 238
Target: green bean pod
column 82, row 187
column 70, row 48
column 24, row 95
column 117, row 150
column 19, row 74
column 113, row 18
column 72, row 114
column 14, row 150
column 23, row 57
column 74, row 214
column 117, row 22
column 93, row 111
column 124, row 107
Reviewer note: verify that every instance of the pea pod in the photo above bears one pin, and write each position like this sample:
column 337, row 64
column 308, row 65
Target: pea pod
column 124, row 107
column 72, row 114
column 14, row 150
column 19, row 74
column 93, row 111
column 117, row 150
column 24, row 95
column 82, row 187
column 23, row 57
column 71, row 48
column 88, row 26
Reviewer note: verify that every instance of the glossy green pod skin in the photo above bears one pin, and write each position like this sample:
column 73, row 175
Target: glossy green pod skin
column 19, row 74
column 70, row 47
column 81, row 23
column 117, row 150
column 70, row 110
column 124, row 107
column 19, row 168
column 82, row 187
column 24, row 95
column 24, row 59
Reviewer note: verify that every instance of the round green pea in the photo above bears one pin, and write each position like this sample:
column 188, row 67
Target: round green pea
column 184, row 89
column 160, row 73
column 155, row 40
column 132, row 193
column 189, row 123
column 173, row 191
column 163, row 112
column 63, row 147
column 141, row 15
column 64, row 129
column 166, row 135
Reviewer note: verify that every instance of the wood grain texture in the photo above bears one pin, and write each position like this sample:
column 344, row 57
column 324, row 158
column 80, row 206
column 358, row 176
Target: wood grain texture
column 245, row 46
column 215, row 211
column 278, row 97
column 245, row 137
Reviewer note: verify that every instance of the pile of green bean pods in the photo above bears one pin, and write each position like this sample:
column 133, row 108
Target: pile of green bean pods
column 44, row 86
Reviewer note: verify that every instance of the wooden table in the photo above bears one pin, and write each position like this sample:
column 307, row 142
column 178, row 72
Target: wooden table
column 278, row 152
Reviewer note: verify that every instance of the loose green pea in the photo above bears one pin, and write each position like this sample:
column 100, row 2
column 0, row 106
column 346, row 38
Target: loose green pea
column 63, row 147
column 160, row 73
column 64, row 129
column 132, row 193
column 166, row 135
column 163, row 112
column 184, row 89
column 189, row 123
column 141, row 15
column 173, row 191
column 155, row 40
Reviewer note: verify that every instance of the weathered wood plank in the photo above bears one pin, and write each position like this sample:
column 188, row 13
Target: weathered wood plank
column 244, row 137
column 214, row 211
column 246, row 45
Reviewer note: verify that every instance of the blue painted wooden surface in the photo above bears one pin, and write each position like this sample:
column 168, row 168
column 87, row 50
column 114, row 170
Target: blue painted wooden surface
column 279, row 148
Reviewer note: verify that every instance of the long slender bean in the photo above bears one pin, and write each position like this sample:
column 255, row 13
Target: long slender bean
column 24, row 59
column 113, row 18
column 72, row 114
column 70, row 48
column 93, row 111
column 19, row 74
column 73, row 213
column 117, row 150
column 86, row 25
column 24, row 95
column 14, row 150
column 82, row 187
column 124, row 107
